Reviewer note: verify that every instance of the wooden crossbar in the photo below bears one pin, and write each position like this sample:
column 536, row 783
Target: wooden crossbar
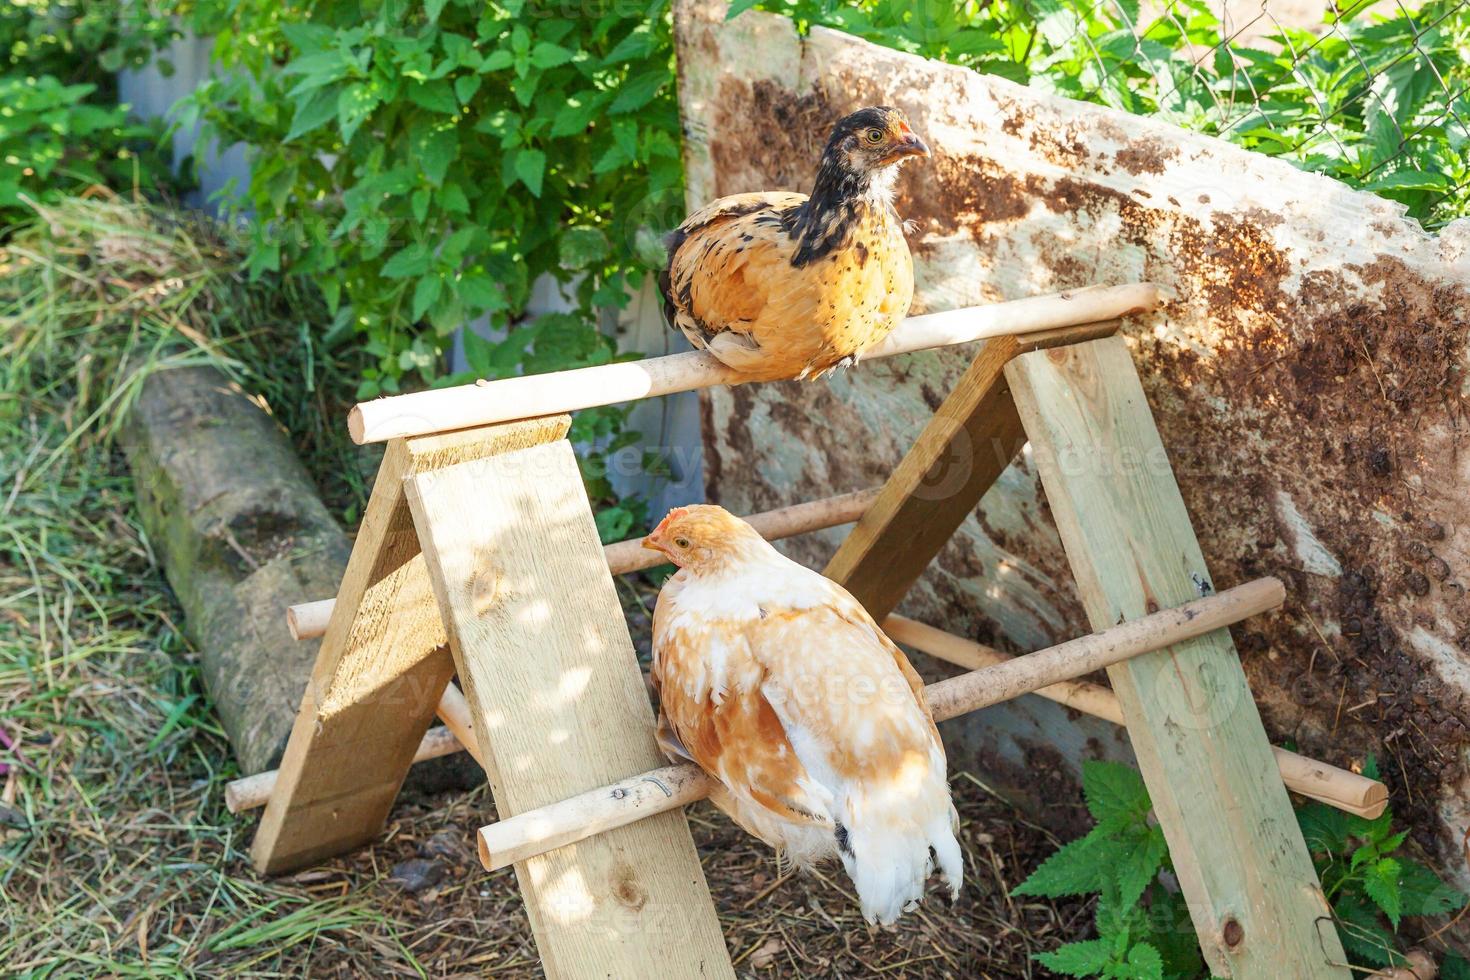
column 964, row 448
column 1339, row 788
column 977, row 392
column 443, row 409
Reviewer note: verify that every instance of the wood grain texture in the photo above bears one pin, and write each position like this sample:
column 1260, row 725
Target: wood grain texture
column 972, row 438
column 1253, row 895
column 380, row 672
column 559, row 708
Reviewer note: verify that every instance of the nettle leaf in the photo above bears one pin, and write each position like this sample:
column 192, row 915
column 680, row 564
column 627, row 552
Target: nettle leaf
column 1421, row 891
column 614, row 158
column 452, row 199
column 1142, row 856
column 1325, row 828
column 530, row 168
column 581, row 246
column 1114, row 791
column 355, row 104
column 1362, row 932
column 465, row 87
column 1144, row 963
column 408, row 262
column 572, row 119
column 436, row 96
column 1381, row 883
column 426, row 293
column 545, row 55
column 312, row 113
column 638, row 90
column 435, row 150
column 1085, row 959
column 1454, row 968
column 265, row 256
column 635, row 46
column 1077, row 868
column 1409, row 179
column 480, row 292
column 565, row 340
column 497, row 60
column 613, row 524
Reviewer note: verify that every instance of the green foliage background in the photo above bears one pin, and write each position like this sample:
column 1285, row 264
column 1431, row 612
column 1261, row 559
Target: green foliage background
column 425, row 162
column 61, row 130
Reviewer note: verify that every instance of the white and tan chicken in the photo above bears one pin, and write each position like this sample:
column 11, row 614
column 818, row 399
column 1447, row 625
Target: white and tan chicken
column 778, row 684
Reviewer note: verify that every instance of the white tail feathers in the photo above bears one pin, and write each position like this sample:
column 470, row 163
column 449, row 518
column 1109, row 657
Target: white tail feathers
column 890, row 858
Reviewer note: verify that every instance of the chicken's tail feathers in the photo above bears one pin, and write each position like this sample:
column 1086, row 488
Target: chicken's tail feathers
column 890, row 866
column 946, row 853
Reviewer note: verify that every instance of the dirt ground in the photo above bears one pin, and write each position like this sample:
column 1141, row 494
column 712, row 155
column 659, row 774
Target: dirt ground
column 456, row 920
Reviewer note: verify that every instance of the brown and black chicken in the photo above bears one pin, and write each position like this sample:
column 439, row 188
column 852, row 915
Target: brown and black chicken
column 781, row 285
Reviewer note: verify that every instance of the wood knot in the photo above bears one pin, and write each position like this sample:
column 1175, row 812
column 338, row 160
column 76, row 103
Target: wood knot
column 1233, row 933
column 626, row 889
column 485, row 589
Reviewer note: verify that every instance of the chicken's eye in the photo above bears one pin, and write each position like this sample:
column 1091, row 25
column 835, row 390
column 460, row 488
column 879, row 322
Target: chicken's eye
column 875, row 136
column 681, row 542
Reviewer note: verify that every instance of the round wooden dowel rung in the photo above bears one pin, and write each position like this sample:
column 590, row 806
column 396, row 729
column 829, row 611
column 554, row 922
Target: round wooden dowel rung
column 249, row 792
column 1339, row 788
column 455, row 735
column 443, row 409
column 309, row 619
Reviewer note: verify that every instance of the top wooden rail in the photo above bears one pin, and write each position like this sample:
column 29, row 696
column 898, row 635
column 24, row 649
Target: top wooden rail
column 510, row 399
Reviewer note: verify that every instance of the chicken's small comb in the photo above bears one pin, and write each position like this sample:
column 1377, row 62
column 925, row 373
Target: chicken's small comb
column 677, row 512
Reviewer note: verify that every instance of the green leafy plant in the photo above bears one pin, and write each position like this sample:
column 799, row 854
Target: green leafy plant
column 1376, row 100
column 425, row 161
column 1371, row 884
column 82, row 41
column 1143, row 927
column 62, row 130
column 54, row 142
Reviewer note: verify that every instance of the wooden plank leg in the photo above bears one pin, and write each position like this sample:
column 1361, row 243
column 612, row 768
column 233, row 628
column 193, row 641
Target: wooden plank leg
column 559, row 706
column 972, row 438
column 1254, row 897
column 381, row 669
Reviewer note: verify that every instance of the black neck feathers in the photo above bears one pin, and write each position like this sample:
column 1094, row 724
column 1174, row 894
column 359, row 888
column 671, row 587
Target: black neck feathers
column 840, row 199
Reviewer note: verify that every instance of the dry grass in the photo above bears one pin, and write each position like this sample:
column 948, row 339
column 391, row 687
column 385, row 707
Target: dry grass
column 117, row 856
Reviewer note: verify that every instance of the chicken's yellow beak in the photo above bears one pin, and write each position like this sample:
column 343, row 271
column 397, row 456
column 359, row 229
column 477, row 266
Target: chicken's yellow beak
column 652, row 544
column 910, row 146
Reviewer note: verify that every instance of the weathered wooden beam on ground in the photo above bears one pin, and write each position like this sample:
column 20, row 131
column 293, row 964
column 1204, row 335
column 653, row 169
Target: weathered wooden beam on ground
column 237, row 544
